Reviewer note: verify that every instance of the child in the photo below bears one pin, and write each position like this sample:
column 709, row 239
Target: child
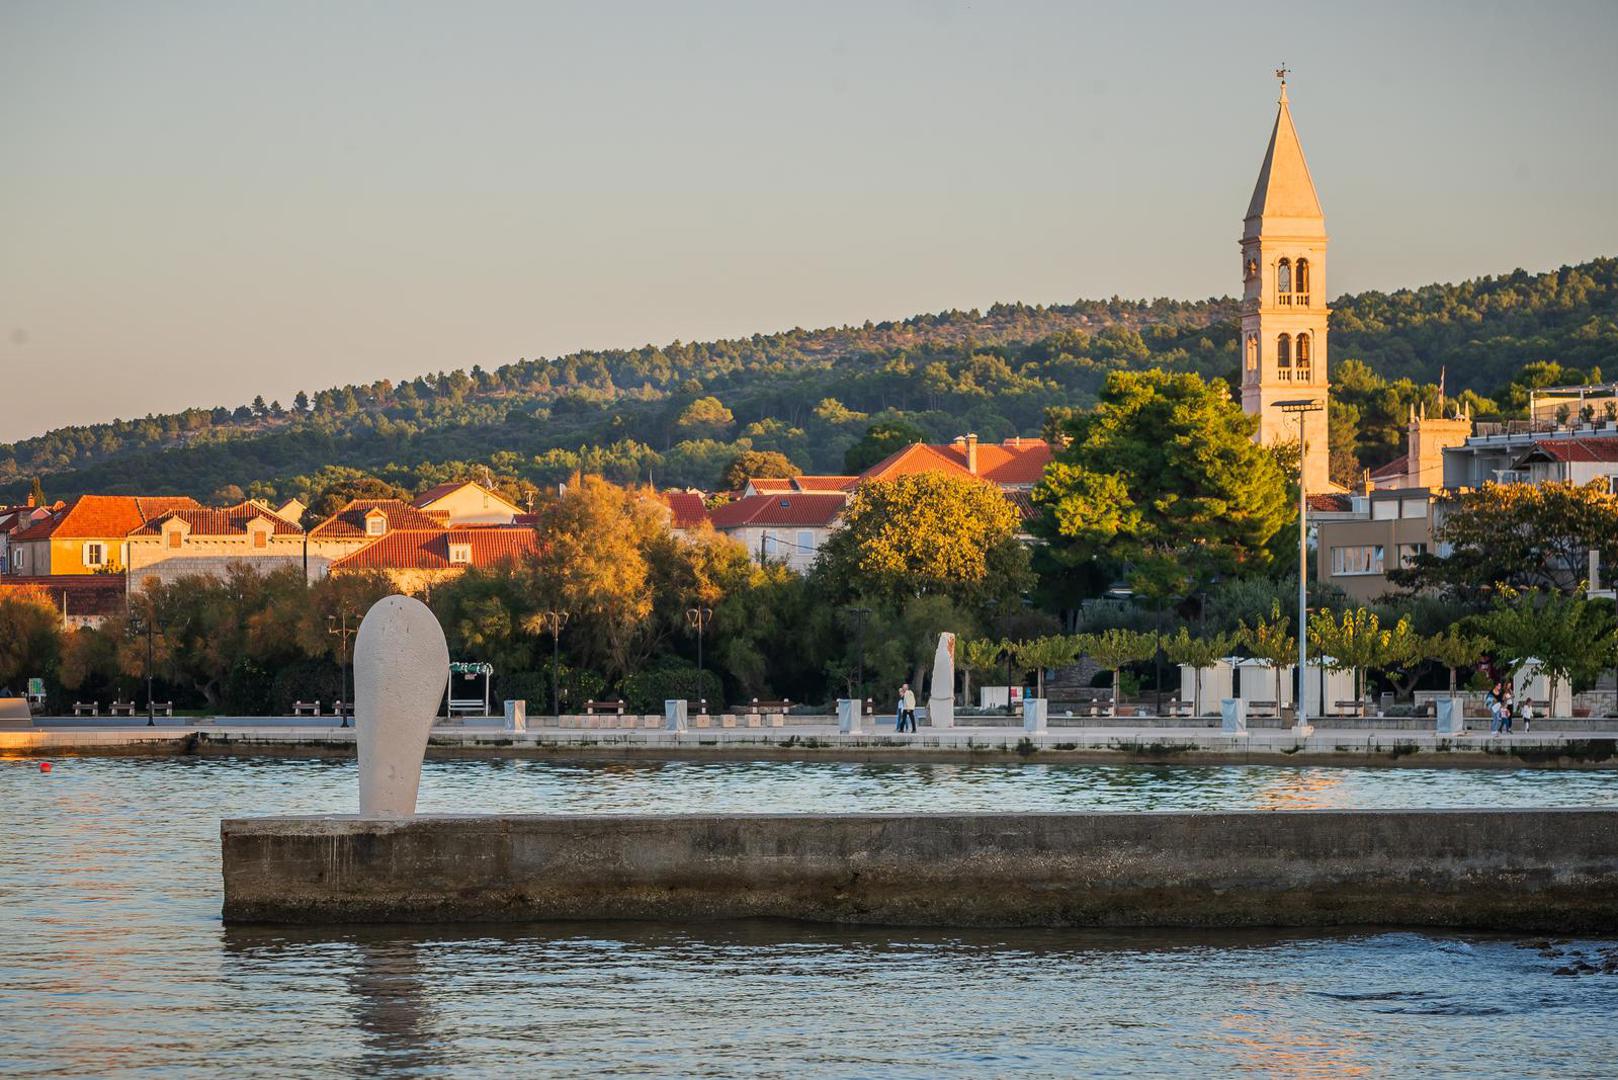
column 1527, row 714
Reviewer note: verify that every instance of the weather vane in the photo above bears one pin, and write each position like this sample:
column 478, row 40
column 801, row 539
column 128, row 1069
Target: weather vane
column 1282, row 72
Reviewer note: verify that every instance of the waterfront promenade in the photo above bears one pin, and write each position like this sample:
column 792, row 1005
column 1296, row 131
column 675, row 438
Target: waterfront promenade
column 1557, row 744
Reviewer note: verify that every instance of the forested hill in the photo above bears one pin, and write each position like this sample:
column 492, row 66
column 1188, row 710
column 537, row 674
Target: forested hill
column 678, row 413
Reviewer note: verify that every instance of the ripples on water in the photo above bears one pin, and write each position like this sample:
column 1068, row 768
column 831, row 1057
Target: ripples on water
column 113, row 960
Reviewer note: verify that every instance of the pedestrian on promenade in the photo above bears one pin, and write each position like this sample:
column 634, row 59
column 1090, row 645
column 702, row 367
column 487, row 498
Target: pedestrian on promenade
column 907, row 708
column 1491, row 701
column 1527, row 714
column 1508, row 705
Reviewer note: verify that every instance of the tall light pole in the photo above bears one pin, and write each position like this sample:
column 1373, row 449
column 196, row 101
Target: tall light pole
column 340, row 628
column 698, row 618
column 859, row 615
column 1302, row 409
column 147, row 623
column 554, row 621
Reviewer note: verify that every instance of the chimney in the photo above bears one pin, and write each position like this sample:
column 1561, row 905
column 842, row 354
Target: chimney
column 972, row 453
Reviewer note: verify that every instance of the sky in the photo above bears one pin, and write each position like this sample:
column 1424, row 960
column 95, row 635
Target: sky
column 200, row 202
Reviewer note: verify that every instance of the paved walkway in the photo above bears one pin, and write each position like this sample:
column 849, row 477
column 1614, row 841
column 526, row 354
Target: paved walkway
column 1559, row 749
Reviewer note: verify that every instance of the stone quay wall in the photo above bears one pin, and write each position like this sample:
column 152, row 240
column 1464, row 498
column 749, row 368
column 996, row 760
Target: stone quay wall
column 1552, row 871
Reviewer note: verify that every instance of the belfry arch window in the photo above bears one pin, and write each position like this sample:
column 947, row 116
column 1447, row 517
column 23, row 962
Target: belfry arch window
column 1300, row 277
column 1303, row 350
column 1283, row 280
column 1283, row 351
column 1252, row 352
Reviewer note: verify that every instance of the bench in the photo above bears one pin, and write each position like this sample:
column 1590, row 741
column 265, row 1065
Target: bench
column 306, row 708
column 342, row 708
column 468, row 706
column 1180, row 708
column 121, row 708
column 757, row 710
column 1262, row 708
column 86, row 708
column 614, row 708
column 1349, row 708
column 162, row 708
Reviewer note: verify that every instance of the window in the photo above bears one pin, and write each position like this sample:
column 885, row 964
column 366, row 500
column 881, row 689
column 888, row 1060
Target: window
column 176, row 538
column 1408, row 553
column 772, row 546
column 1384, row 509
column 1413, row 508
column 261, row 539
column 95, row 555
column 1283, row 277
column 1252, row 352
column 1359, row 559
column 1303, row 350
column 1283, row 351
column 1300, row 279
column 806, row 543
column 460, row 554
column 376, row 526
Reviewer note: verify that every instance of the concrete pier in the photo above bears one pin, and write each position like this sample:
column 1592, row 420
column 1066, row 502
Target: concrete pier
column 1549, row 871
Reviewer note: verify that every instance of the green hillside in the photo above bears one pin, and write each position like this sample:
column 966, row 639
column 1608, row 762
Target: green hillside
column 678, row 413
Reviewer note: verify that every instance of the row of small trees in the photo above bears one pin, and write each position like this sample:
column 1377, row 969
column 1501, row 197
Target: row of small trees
column 1571, row 637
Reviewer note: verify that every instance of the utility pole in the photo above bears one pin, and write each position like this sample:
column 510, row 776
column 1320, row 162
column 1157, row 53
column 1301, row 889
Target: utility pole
column 1302, row 409
column 698, row 618
column 860, row 614
column 340, row 628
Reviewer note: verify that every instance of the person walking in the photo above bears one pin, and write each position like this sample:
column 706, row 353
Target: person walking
column 907, row 708
column 1508, row 705
column 1527, row 714
column 1491, row 701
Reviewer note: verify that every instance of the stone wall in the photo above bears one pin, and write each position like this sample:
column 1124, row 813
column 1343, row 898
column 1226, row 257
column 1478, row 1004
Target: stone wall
column 1550, row 871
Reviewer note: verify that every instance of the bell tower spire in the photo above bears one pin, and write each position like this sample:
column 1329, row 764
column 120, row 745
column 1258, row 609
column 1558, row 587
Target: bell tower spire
column 1284, row 309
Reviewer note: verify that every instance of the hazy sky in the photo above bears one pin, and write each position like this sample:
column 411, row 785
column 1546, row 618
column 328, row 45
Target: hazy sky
column 204, row 201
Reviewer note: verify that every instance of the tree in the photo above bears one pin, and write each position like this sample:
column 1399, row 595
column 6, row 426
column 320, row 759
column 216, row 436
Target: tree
column 756, row 463
column 1271, row 642
column 705, row 418
column 1198, row 653
column 1162, row 481
column 1358, row 642
column 1112, row 649
column 300, row 402
column 30, row 636
column 979, row 656
column 881, row 440
column 1571, row 636
column 926, row 534
column 37, row 493
column 1516, row 536
column 1454, row 649
column 1056, row 651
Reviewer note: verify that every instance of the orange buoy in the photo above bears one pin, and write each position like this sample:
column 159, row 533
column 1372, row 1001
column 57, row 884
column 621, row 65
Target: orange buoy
column 44, row 766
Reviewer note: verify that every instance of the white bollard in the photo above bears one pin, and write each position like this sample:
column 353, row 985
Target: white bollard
column 401, row 670
column 1233, row 716
column 676, row 715
column 1034, row 714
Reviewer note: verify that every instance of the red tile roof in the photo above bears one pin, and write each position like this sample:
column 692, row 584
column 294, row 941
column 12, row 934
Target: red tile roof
column 806, row 509
column 1024, row 503
column 1016, row 461
column 774, row 485
column 687, row 507
column 95, row 517
column 226, row 521
column 85, row 594
column 1601, row 450
column 1331, row 502
column 349, row 522
column 1397, row 467
column 428, row 549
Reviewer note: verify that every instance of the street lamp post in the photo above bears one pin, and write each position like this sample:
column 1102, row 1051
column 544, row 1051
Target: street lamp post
column 338, row 626
column 698, row 618
column 859, row 614
column 554, row 621
column 147, row 624
column 1302, row 409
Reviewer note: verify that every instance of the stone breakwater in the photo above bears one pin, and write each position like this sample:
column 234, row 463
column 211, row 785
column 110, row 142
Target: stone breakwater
column 1549, row 871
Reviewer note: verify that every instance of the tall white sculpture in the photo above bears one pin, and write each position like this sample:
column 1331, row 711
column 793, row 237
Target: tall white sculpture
column 401, row 666
column 941, row 698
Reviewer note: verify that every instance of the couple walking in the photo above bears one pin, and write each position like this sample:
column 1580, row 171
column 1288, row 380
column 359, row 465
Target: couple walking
column 1502, row 708
column 905, row 714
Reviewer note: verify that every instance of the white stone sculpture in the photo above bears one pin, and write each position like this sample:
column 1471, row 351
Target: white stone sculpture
column 941, row 698
column 401, row 667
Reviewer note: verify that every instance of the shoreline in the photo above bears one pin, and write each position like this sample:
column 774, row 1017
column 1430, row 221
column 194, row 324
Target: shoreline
column 1088, row 745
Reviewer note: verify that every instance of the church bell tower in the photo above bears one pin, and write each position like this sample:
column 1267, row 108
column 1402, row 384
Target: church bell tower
column 1284, row 299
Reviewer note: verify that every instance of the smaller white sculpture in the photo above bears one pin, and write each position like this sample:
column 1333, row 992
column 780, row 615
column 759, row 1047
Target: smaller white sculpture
column 941, row 696
column 401, row 667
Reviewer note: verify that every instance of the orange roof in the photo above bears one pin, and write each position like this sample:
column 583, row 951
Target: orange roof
column 1598, row 449
column 227, row 521
column 424, row 549
column 810, row 509
column 96, row 517
column 350, row 520
column 1015, row 462
column 1332, row 502
column 774, row 485
column 1397, row 467
column 688, row 508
